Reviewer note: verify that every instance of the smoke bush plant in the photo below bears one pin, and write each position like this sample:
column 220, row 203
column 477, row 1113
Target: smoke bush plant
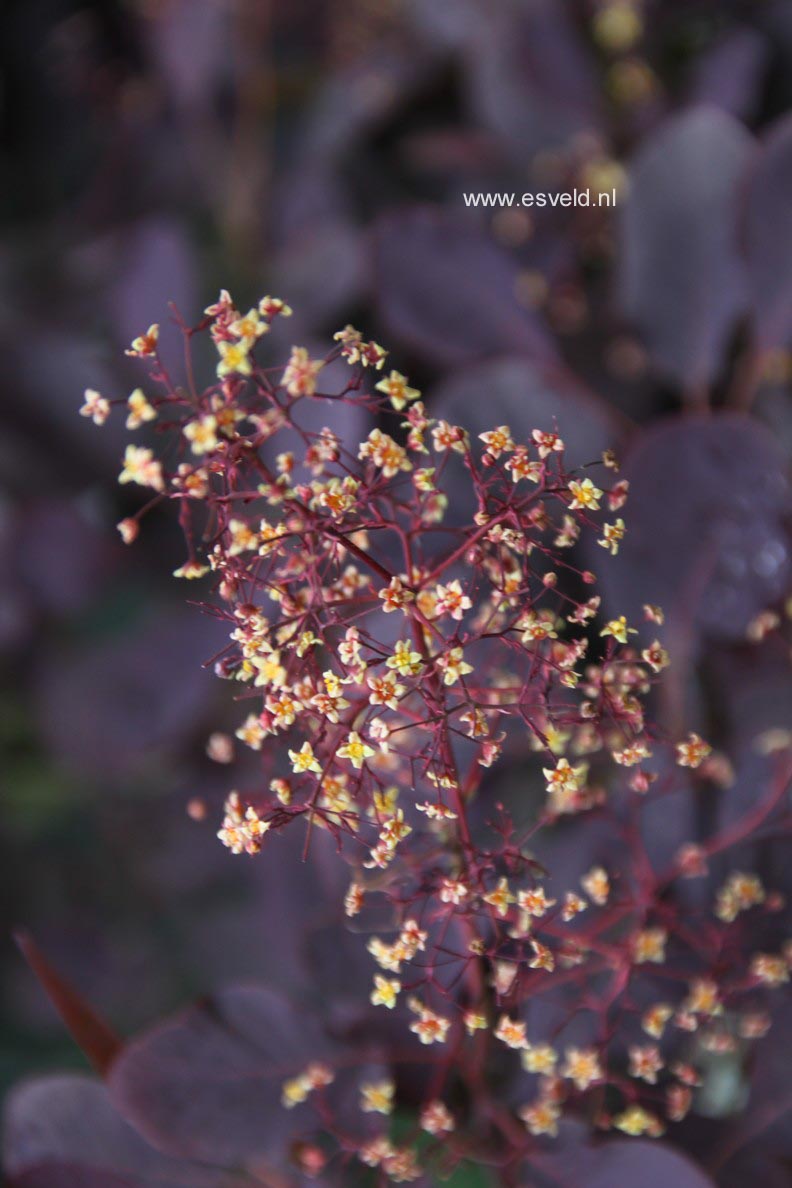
column 384, row 655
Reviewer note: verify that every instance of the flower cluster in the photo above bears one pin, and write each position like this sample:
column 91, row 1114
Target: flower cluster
column 384, row 656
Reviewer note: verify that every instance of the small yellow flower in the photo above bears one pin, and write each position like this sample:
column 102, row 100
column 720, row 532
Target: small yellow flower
column 649, row 946
column 385, row 453
column 543, row 957
column 248, row 327
column 534, row 901
column 299, row 377
column 510, row 1032
column 738, row 894
column 141, row 467
column 612, row 536
column 385, row 992
column 453, row 666
column 355, row 750
column 140, row 410
column 145, row 344
column 703, row 998
column 270, row 307
column 128, row 530
column 436, row 1119
column 395, row 596
column 95, row 407
column 596, row 884
column 191, row 570
column 304, row 759
column 655, row 1018
column 656, row 657
column 523, row 466
column 376, row 1097
column 202, row 434
column 582, row 1067
column 498, row 441
column 539, row 1058
column 430, row 1027
column 541, row 1118
column 404, row 660
column 645, row 1062
column 635, row 1120
column 617, row 26
column 584, row 495
column 251, row 732
column 547, row 443
column 618, row 629
column 769, row 969
column 451, row 601
column 234, row 358
column 564, row 778
column 500, row 898
column 474, row 1022
column 693, row 751
column 353, row 900
column 396, row 388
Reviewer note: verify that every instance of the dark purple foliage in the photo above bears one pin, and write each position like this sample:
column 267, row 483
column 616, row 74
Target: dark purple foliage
column 708, row 529
column 683, row 281
column 768, row 217
column 448, row 291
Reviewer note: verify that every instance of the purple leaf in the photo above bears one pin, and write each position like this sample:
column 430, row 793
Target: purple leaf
column 526, row 396
column 105, row 709
column 448, row 291
column 357, row 98
column 69, row 1175
column 577, row 1162
column 155, row 269
column 62, row 558
column 768, row 242
column 91, row 1033
column 63, row 1132
column 517, row 392
column 50, row 382
column 531, row 79
column 683, row 281
column 191, row 44
column 762, row 1132
column 729, row 74
column 321, row 270
column 206, row 1084
column 706, row 533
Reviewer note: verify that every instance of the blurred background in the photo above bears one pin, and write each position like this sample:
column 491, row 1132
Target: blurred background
column 156, row 150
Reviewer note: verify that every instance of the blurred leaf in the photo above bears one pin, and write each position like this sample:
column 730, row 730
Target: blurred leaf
column 62, row 1132
column 191, row 44
column 707, row 537
column 63, row 560
column 729, row 74
column 768, row 241
column 155, row 268
column 320, row 269
column 517, row 392
column 445, row 289
column 528, row 74
column 206, row 1084
column 525, row 395
column 758, row 1146
column 531, row 78
column 107, row 707
column 90, row 1033
column 468, row 1175
column 577, row 1162
column 682, row 279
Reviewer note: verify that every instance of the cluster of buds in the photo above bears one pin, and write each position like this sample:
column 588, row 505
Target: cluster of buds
column 385, row 656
